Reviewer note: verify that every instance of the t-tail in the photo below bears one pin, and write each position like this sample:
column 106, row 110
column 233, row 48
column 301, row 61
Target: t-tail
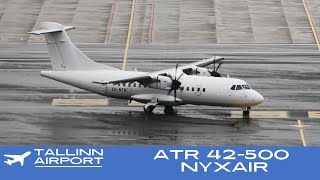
column 64, row 55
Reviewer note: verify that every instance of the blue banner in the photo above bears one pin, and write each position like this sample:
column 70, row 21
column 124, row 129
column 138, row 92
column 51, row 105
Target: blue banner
column 121, row 162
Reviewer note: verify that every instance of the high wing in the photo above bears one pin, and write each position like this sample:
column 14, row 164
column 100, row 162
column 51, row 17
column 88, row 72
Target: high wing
column 203, row 63
column 12, row 156
column 188, row 67
column 153, row 76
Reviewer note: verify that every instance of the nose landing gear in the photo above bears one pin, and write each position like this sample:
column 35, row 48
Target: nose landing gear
column 246, row 111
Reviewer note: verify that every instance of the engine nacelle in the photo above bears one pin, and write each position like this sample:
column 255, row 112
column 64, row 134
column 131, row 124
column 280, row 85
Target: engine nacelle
column 162, row 82
column 199, row 71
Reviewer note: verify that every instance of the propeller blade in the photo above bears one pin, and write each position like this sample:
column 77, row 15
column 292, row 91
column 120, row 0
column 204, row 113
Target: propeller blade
column 175, row 75
column 219, row 66
column 214, row 63
column 180, row 77
column 175, row 84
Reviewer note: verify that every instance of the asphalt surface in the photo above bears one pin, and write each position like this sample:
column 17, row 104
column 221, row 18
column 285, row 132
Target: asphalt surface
column 286, row 75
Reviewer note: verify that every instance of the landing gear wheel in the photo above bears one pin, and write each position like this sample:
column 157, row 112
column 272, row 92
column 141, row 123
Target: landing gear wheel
column 246, row 113
column 148, row 109
column 168, row 110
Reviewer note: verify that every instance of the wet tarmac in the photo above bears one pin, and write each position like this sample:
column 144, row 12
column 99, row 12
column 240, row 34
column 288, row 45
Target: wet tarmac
column 287, row 76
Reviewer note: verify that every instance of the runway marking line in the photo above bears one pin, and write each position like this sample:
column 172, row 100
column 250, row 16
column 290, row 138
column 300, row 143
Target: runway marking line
column 315, row 34
column 124, row 63
column 301, row 126
column 314, row 114
column 261, row 114
column 80, row 102
column 106, row 38
column 151, row 24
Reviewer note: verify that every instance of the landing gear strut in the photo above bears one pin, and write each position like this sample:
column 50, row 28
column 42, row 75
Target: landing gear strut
column 246, row 111
column 168, row 110
column 148, row 109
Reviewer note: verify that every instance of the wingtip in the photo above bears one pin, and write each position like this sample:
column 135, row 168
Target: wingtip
column 34, row 33
column 102, row 82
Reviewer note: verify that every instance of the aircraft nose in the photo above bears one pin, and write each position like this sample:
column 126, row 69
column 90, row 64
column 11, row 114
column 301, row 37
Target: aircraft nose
column 259, row 98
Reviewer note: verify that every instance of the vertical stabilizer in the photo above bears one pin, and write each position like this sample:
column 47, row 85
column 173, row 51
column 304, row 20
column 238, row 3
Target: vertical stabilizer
column 64, row 55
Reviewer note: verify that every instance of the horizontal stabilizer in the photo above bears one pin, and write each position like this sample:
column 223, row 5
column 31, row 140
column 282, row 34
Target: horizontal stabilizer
column 51, row 30
column 8, row 162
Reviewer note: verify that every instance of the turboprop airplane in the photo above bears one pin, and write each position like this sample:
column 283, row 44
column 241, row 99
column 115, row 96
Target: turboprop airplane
column 187, row 84
column 16, row 158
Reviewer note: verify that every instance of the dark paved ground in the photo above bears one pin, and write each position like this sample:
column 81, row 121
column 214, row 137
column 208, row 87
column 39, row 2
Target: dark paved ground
column 287, row 75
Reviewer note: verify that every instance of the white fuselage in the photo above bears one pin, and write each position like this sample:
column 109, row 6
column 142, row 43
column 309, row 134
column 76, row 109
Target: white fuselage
column 197, row 90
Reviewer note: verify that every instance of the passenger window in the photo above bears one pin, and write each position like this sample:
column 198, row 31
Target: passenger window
column 233, row 87
column 204, row 90
column 192, row 88
column 239, row 87
column 187, row 88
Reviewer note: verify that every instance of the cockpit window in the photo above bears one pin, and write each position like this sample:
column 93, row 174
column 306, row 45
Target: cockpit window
column 240, row 87
column 246, row 86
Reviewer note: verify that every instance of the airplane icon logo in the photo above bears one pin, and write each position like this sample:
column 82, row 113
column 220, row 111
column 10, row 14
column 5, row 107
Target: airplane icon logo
column 16, row 158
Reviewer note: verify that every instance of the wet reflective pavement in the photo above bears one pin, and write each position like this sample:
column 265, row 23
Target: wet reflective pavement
column 287, row 76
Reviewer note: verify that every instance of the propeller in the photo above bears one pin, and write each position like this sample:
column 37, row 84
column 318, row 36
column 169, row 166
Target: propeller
column 175, row 83
column 214, row 71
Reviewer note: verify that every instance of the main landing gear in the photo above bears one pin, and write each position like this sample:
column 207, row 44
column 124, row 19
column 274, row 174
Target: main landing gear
column 168, row 110
column 149, row 109
column 246, row 111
